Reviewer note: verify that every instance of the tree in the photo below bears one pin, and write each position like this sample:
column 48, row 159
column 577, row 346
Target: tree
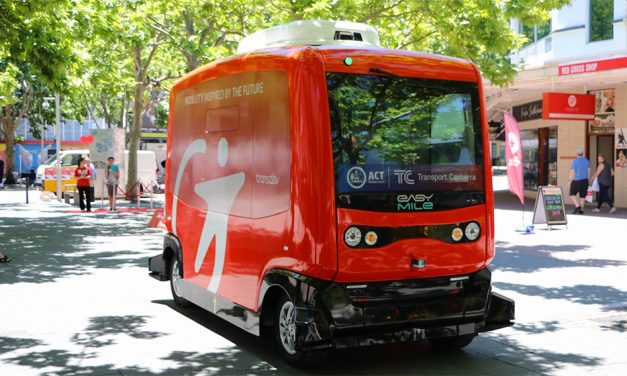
column 472, row 29
column 122, row 25
column 33, row 49
column 202, row 32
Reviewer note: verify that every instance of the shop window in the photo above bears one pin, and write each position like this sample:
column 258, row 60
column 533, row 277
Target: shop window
column 601, row 17
column 530, row 158
column 539, row 157
column 551, row 145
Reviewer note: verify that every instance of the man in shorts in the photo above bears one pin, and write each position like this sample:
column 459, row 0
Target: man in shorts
column 578, row 179
column 112, row 177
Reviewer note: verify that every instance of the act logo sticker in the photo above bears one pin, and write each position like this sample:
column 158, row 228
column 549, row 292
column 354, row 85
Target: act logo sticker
column 356, row 177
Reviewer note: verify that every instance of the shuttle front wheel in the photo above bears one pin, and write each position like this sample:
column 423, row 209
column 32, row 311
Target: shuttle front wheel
column 286, row 337
column 176, row 273
column 452, row 343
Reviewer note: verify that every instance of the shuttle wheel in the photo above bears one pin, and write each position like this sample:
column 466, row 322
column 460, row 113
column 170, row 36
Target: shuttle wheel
column 452, row 343
column 175, row 276
column 285, row 330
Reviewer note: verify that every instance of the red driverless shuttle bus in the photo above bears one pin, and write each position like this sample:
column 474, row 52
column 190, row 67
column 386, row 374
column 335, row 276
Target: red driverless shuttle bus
column 332, row 193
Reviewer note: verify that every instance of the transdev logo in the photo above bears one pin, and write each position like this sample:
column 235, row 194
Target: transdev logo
column 356, row 177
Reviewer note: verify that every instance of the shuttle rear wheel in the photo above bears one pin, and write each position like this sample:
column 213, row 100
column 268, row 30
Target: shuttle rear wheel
column 452, row 343
column 286, row 337
column 176, row 275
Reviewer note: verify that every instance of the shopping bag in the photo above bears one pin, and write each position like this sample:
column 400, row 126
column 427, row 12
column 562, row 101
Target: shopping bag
column 589, row 197
column 595, row 185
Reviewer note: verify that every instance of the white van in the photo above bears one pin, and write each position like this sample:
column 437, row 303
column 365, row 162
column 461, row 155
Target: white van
column 69, row 158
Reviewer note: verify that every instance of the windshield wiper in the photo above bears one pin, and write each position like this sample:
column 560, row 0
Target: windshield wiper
column 381, row 71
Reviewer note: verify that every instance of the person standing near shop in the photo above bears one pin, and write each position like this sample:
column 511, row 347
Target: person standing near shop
column 604, row 174
column 578, row 179
column 112, row 177
column 82, row 175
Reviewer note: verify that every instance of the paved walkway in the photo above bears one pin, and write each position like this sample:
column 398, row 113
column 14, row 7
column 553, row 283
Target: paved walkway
column 76, row 299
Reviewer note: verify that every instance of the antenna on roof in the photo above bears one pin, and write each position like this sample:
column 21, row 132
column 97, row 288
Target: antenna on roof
column 311, row 33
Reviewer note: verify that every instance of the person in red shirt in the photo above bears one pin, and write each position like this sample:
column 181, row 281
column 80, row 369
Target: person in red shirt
column 82, row 175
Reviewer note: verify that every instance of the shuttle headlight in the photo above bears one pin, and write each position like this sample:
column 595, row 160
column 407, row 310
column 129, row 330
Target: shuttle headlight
column 457, row 234
column 472, row 231
column 352, row 236
column 371, row 238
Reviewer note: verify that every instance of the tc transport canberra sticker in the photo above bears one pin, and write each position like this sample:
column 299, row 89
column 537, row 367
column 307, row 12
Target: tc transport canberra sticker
column 398, row 178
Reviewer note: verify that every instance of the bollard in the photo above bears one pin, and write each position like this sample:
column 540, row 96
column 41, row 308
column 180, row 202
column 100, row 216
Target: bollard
column 27, row 192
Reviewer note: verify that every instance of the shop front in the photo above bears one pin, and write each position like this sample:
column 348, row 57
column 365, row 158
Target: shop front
column 552, row 131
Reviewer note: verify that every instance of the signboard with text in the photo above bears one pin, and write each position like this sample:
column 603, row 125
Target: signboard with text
column 528, row 111
column 566, row 106
column 592, row 66
column 549, row 206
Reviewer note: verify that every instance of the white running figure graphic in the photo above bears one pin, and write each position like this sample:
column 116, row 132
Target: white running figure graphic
column 219, row 194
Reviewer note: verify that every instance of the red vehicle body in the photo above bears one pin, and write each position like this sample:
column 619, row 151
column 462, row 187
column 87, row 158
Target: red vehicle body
column 257, row 225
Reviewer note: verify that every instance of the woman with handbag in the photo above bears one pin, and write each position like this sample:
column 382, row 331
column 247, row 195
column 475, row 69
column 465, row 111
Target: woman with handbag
column 604, row 176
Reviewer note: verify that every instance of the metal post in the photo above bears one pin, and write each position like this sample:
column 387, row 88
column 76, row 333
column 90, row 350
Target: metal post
column 57, row 104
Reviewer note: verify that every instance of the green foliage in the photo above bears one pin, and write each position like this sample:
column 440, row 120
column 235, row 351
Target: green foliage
column 39, row 32
column 8, row 84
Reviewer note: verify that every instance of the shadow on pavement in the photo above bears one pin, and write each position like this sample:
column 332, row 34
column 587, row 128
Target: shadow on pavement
column 536, row 328
column 56, row 245
column 387, row 359
column 530, row 258
column 104, row 326
column 492, row 354
column 608, row 297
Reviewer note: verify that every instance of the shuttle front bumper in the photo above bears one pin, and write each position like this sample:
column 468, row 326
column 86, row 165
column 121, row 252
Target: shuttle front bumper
column 363, row 314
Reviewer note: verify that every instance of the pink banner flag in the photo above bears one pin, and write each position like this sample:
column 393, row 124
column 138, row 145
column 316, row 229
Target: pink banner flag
column 513, row 157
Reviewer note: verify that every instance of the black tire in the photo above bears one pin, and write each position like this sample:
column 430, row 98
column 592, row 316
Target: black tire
column 174, row 274
column 452, row 343
column 285, row 335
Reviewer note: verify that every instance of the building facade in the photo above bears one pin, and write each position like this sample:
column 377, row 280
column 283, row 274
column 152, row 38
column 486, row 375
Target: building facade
column 581, row 51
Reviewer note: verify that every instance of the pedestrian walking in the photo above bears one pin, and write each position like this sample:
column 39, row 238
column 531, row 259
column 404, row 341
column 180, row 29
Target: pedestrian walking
column 4, row 258
column 604, row 175
column 82, row 175
column 578, row 179
column 112, row 177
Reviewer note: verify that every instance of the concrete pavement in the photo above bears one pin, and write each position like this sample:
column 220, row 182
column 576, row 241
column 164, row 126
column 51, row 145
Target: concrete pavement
column 77, row 299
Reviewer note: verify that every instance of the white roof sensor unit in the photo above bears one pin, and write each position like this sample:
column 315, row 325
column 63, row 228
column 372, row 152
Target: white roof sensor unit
column 311, row 33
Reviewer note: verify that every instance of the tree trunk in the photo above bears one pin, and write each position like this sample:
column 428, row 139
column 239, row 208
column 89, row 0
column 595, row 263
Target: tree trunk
column 8, row 131
column 9, row 120
column 135, row 133
column 135, row 136
column 10, row 153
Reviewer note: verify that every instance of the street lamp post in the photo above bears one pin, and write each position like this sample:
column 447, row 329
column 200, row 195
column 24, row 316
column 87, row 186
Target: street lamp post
column 57, row 105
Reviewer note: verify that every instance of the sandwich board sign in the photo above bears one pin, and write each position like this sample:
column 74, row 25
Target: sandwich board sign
column 549, row 206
